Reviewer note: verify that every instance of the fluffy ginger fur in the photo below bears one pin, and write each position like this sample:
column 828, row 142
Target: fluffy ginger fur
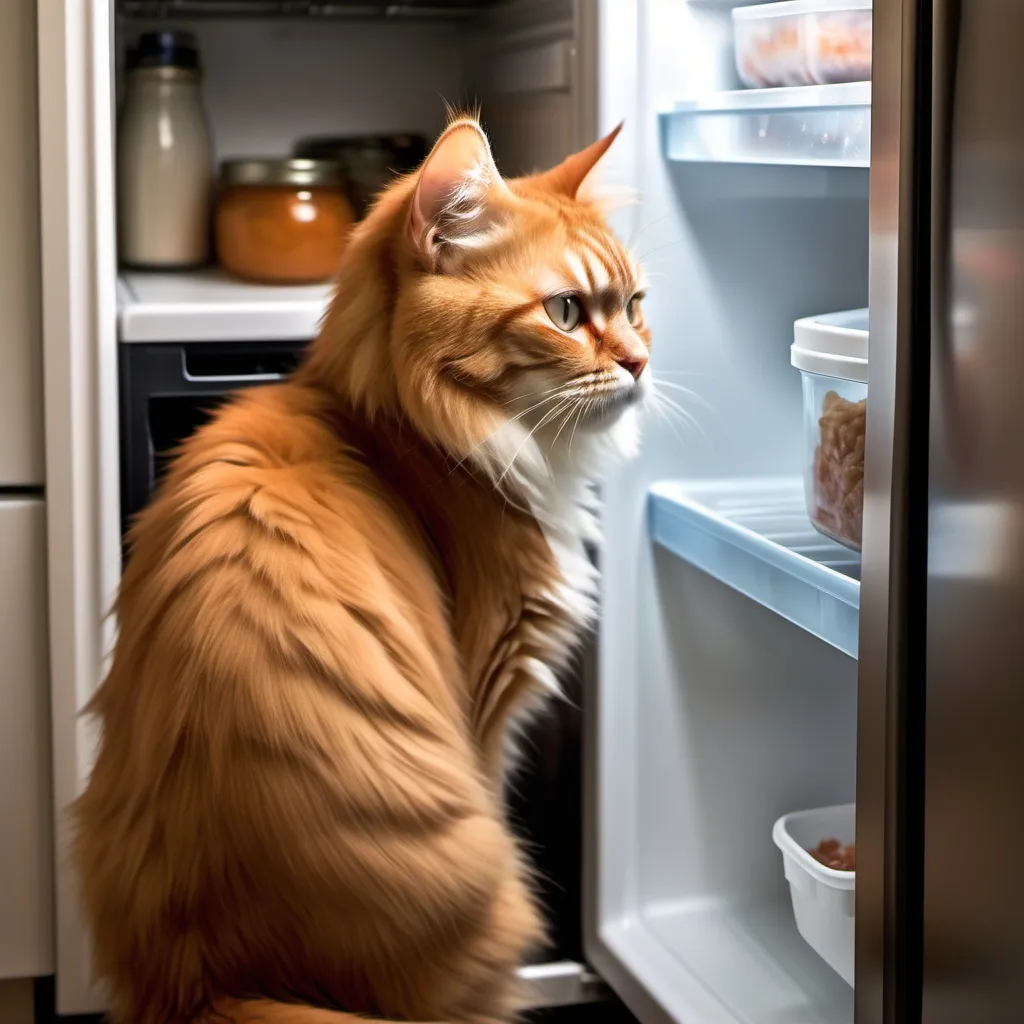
column 343, row 591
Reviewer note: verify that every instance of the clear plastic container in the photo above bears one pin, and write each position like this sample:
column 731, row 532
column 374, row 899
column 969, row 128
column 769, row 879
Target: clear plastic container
column 839, row 44
column 831, row 352
column 803, row 42
column 823, row 899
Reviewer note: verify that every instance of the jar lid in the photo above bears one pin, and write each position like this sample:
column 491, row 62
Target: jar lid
column 834, row 345
column 166, row 49
column 281, row 172
column 405, row 152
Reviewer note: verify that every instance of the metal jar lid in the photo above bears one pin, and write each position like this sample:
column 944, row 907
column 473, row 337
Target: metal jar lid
column 308, row 173
column 165, row 49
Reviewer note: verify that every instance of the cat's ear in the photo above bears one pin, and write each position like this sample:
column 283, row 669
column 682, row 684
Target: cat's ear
column 569, row 176
column 455, row 190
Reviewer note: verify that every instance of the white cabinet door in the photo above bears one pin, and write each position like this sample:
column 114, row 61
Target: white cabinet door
column 26, row 808
column 21, row 372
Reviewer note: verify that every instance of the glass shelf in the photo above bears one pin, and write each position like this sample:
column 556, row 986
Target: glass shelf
column 754, row 536
column 810, row 125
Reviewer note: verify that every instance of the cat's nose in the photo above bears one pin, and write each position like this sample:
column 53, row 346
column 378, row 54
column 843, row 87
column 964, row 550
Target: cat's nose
column 633, row 364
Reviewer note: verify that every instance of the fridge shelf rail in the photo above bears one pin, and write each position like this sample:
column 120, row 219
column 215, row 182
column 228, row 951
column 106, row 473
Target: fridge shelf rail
column 754, row 536
column 810, row 125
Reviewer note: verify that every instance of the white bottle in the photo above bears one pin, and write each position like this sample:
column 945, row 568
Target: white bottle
column 165, row 161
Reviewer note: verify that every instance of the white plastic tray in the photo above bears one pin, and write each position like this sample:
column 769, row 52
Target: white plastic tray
column 823, row 899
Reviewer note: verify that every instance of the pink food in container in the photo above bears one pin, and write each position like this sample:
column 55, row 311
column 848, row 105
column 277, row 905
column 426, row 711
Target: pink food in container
column 803, row 42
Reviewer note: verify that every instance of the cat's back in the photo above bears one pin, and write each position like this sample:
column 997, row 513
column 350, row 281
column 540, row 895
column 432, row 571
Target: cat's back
column 270, row 486
column 271, row 547
column 286, row 799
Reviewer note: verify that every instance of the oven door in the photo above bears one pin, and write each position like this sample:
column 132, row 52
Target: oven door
column 168, row 390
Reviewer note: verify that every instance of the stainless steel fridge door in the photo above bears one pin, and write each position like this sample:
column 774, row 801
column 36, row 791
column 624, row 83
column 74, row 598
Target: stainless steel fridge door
column 892, row 625
column 974, row 774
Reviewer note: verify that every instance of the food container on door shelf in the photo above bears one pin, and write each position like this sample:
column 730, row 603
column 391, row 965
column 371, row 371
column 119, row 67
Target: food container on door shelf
column 823, row 897
column 282, row 221
column 831, row 353
column 803, row 42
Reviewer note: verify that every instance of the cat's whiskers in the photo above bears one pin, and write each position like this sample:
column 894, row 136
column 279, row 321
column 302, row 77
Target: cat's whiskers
column 586, row 399
column 562, row 425
column 659, row 382
column 663, row 415
column 544, row 419
column 509, row 422
column 585, row 404
column 577, row 388
column 575, row 382
column 668, row 406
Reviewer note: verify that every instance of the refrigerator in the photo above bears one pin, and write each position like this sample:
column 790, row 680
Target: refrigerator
column 745, row 667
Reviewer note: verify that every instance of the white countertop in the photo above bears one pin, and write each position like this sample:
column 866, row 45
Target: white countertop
column 209, row 305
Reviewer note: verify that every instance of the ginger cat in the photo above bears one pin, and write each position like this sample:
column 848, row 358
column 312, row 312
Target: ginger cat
column 344, row 591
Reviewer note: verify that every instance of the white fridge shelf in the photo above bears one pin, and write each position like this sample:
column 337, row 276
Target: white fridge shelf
column 210, row 305
column 811, row 125
column 754, row 536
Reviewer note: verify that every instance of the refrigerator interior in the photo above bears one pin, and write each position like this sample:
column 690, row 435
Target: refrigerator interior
column 273, row 75
column 717, row 713
column 274, row 72
column 277, row 75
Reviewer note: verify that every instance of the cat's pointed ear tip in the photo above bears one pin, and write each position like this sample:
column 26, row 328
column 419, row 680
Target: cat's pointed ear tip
column 615, row 132
column 459, row 119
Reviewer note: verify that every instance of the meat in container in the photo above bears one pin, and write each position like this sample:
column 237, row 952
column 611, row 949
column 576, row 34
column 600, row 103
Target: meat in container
column 823, row 898
column 803, row 42
column 831, row 353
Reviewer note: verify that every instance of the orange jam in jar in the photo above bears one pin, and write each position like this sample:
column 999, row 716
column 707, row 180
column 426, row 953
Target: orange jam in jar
column 282, row 221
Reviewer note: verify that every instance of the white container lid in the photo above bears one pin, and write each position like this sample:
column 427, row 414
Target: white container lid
column 833, row 345
column 791, row 7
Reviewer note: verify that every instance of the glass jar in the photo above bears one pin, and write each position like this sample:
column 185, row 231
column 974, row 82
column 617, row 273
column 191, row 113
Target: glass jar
column 164, row 157
column 370, row 163
column 282, row 221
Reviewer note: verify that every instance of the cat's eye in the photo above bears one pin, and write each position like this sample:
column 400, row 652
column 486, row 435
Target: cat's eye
column 633, row 310
column 566, row 311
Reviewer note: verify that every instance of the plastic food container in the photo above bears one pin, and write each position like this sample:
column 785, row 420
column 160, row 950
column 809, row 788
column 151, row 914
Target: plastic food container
column 282, row 221
column 803, row 42
column 831, row 353
column 823, row 899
